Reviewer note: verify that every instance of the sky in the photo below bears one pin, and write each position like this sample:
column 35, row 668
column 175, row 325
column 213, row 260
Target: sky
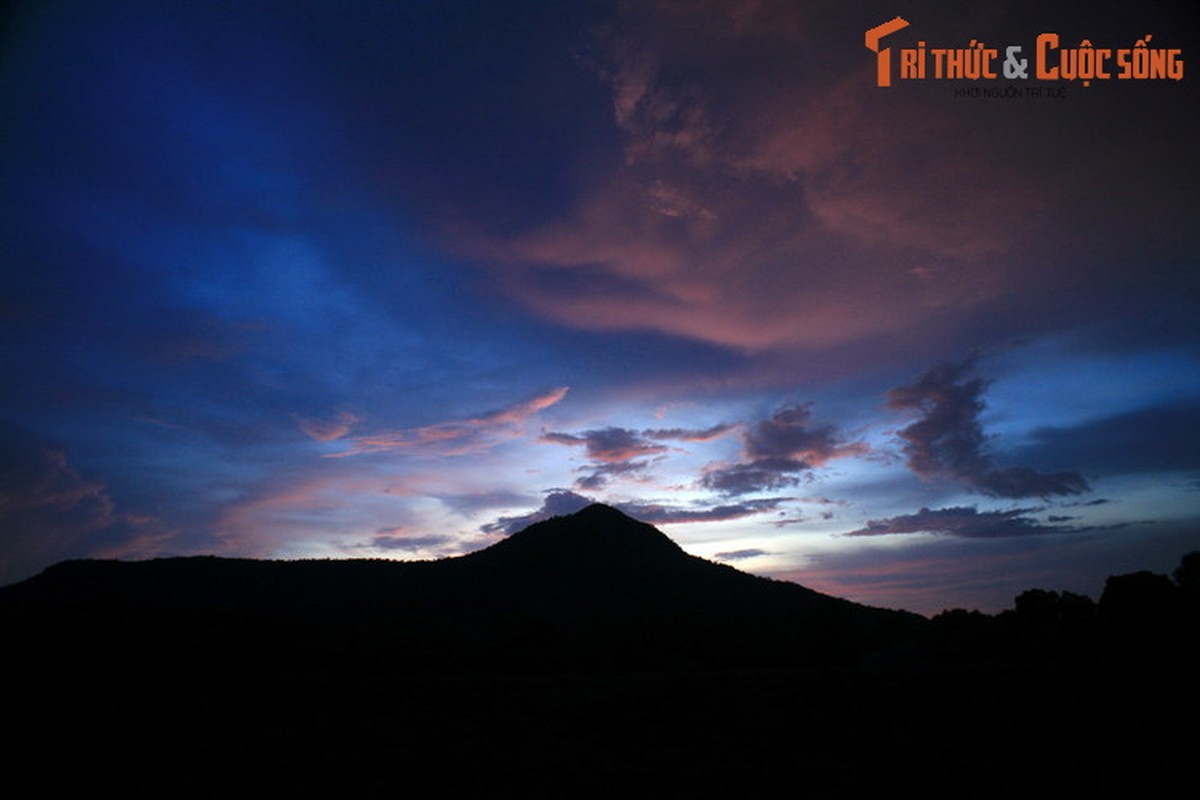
column 393, row 280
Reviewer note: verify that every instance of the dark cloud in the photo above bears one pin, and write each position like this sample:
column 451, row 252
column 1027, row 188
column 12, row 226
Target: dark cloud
column 740, row 555
column 613, row 450
column 688, row 434
column 789, row 434
column 613, row 444
column 608, row 445
column 1158, row 439
column 49, row 511
column 777, row 449
column 930, row 574
column 964, row 522
column 948, row 439
column 601, row 474
column 657, row 514
column 556, row 504
column 396, row 539
column 590, row 483
column 754, row 477
column 560, row 503
column 1026, row 482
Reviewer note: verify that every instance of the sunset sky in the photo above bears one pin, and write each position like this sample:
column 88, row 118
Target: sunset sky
column 372, row 279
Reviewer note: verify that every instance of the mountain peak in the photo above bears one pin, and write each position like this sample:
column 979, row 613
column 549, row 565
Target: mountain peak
column 595, row 535
column 598, row 511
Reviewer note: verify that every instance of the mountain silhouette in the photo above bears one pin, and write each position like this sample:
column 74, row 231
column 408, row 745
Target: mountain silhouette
column 595, row 589
column 585, row 656
column 598, row 536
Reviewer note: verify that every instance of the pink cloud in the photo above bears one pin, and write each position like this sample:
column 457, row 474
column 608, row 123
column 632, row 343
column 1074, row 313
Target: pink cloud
column 521, row 411
column 790, row 202
column 257, row 524
column 458, row 437
column 759, row 211
column 328, row 430
column 321, row 505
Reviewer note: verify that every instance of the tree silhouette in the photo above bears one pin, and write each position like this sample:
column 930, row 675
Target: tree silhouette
column 1187, row 574
column 1141, row 613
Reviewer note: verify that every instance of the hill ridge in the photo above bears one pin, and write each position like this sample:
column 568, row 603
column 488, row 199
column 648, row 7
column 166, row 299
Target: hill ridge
column 596, row 586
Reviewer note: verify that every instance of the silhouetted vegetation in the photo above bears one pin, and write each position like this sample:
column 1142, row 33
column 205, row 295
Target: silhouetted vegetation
column 1140, row 616
column 587, row 656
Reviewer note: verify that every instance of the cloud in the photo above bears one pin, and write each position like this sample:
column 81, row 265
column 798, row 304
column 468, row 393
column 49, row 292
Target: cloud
column 397, row 539
column 659, row 514
column 262, row 518
column 748, row 478
column 948, row 438
column 740, row 555
column 1156, row 439
column 458, row 437
column 965, row 522
column 928, row 574
column 49, row 511
column 777, row 449
column 319, row 506
column 328, row 430
column 561, row 503
column 613, row 444
column 613, row 450
column 515, row 415
column 557, row 504
column 752, row 205
column 608, row 445
column 1025, row 482
column 690, row 434
column 601, row 474
column 789, row 435
column 791, row 203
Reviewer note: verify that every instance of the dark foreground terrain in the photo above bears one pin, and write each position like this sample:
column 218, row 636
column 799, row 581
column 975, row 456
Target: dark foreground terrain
column 584, row 657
